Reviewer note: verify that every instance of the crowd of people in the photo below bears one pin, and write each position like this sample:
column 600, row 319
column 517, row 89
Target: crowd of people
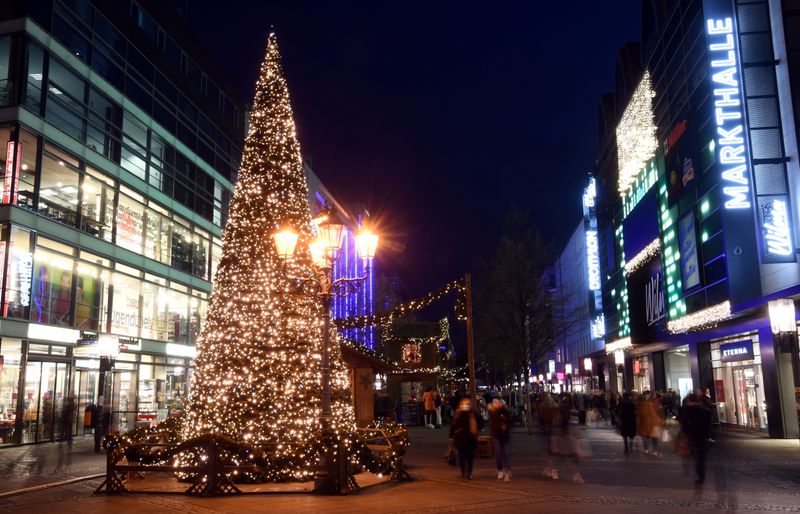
column 659, row 421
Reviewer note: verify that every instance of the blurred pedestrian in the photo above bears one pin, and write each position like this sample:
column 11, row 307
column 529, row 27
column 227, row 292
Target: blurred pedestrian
column 562, row 444
column 464, row 433
column 696, row 420
column 500, row 431
column 627, row 420
column 648, row 420
column 68, row 419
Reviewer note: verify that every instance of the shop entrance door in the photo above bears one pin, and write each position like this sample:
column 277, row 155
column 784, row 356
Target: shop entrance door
column 46, row 384
column 746, row 383
column 123, row 401
column 85, row 395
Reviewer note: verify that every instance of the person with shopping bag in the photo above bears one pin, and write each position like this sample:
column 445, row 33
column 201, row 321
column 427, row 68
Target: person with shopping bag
column 464, row 434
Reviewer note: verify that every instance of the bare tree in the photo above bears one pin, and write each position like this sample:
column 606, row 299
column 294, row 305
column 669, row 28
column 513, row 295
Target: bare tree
column 515, row 308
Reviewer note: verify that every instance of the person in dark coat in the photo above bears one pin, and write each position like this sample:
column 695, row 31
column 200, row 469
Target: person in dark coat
column 500, row 430
column 464, row 433
column 696, row 421
column 627, row 420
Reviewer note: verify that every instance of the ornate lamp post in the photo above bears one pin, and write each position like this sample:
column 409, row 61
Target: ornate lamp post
column 323, row 249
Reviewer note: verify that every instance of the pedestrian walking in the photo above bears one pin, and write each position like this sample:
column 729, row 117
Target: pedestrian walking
column 68, row 419
column 464, row 433
column 627, row 420
column 438, row 402
column 500, row 431
column 429, row 404
column 696, row 421
column 562, row 444
column 648, row 419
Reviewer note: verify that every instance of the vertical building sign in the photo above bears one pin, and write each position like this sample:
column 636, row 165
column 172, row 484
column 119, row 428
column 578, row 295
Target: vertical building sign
column 11, row 172
column 731, row 145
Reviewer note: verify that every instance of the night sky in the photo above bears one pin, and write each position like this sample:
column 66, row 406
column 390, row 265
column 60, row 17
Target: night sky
column 438, row 116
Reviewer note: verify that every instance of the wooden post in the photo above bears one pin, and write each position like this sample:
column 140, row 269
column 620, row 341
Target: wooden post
column 470, row 340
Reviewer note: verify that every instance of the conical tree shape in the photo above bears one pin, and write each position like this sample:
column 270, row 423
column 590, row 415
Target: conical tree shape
column 258, row 369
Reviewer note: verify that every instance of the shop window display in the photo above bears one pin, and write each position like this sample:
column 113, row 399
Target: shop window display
column 10, row 358
column 51, row 296
column 125, row 305
column 130, row 221
column 90, row 296
column 739, row 384
column 20, row 273
column 177, row 318
column 154, row 311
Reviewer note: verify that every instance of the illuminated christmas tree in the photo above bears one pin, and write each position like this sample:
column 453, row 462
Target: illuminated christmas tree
column 257, row 374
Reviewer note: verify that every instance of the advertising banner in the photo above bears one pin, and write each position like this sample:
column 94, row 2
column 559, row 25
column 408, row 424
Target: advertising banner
column 687, row 241
column 647, row 302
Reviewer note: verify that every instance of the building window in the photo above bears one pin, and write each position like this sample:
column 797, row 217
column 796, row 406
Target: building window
column 90, row 296
column 125, row 305
column 52, row 288
column 130, row 220
column 65, row 108
column 20, row 273
column 97, row 205
column 58, row 192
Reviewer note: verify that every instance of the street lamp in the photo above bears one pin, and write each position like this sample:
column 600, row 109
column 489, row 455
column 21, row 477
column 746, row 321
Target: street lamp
column 330, row 234
column 587, row 366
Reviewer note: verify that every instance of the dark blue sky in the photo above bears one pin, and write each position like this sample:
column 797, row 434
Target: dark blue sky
column 438, row 116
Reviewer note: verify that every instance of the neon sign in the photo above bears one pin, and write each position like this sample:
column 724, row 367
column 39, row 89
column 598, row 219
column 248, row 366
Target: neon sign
column 9, row 173
column 728, row 113
column 593, row 258
column 598, row 327
column 775, row 228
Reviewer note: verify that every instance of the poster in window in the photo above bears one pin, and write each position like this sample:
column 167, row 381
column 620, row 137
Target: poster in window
column 687, row 240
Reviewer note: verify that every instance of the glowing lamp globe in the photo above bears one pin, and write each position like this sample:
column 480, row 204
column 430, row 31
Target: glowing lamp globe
column 285, row 242
column 331, row 231
column 319, row 250
column 366, row 244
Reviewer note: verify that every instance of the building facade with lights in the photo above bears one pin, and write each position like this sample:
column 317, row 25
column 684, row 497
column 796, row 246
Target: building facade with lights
column 120, row 144
column 574, row 284
column 698, row 184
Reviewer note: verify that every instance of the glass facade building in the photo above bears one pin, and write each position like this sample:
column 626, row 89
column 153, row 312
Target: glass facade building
column 119, row 149
column 697, row 208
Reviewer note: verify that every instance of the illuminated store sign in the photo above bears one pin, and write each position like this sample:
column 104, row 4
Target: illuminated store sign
column 775, row 229
column 728, row 113
column 9, row 172
column 598, row 327
column 654, row 300
column 593, row 258
column 738, row 351
column 589, row 195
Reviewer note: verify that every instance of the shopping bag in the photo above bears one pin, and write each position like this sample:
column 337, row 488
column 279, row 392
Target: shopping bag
column 450, row 455
column 665, row 436
column 682, row 445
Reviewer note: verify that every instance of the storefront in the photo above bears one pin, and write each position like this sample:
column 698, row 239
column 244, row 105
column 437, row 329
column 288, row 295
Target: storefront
column 739, row 382
column 640, row 366
column 677, row 370
column 40, row 380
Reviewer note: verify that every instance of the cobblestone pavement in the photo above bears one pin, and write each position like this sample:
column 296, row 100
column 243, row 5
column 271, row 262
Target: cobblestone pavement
column 745, row 474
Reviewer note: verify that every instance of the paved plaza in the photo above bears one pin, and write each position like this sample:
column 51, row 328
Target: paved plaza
column 745, row 473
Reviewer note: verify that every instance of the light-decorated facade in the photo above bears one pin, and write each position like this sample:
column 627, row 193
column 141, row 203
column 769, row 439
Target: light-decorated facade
column 698, row 231
column 120, row 148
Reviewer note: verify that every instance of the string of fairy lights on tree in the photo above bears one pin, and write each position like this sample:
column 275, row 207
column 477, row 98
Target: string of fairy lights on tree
column 257, row 372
